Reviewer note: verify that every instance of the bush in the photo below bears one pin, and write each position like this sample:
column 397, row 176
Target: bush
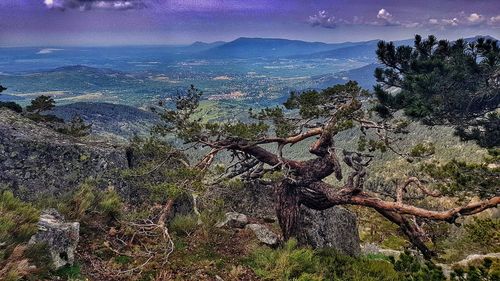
column 110, row 203
column 184, row 224
column 12, row 106
column 82, row 200
column 286, row 263
column 293, row 263
column 487, row 271
column 17, row 219
column 412, row 269
column 423, row 149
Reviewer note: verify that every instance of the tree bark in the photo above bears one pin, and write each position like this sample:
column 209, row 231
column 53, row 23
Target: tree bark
column 287, row 208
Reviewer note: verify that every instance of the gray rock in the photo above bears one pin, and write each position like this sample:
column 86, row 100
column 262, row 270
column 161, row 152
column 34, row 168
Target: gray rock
column 37, row 161
column 233, row 220
column 370, row 248
column 60, row 237
column 335, row 227
column 264, row 235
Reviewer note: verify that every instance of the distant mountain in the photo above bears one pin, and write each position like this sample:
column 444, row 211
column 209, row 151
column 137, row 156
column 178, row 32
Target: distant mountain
column 265, row 47
column 199, row 46
column 471, row 39
column 109, row 119
column 361, row 51
column 363, row 75
column 364, row 50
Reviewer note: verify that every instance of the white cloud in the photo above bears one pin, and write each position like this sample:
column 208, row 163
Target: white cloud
column 475, row 18
column 385, row 18
column 384, row 14
column 95, row 4
column 47, row 51
column 323, row 19
column 494, row 20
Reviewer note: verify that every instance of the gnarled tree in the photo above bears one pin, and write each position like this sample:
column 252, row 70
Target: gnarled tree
column 316, row 116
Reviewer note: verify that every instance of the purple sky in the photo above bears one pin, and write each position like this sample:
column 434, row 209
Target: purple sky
column 131, row 22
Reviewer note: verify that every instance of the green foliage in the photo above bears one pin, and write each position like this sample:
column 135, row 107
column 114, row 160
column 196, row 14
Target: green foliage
column 442, row 83
column 313, row 104
column 371, row 145
column 76, row 127
column 484, row 232
column 110, row 203
column 184, row 225
column 423, row 149
column 40, row 104
column 160, row 170
column 279, row 121
column 17, row 220
column 82, row 200
column 485, row 131
column 39, row 255
column 411, row 269
column 47, row 118
column 286, row 263
column 293, row 263
column 70, row 272
column 478, row 235
column 12, row 106
column 123, row 260
column 484, row 272
column 461, row 178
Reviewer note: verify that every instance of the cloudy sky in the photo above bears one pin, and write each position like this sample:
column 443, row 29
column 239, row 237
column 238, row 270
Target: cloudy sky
column 132, row 22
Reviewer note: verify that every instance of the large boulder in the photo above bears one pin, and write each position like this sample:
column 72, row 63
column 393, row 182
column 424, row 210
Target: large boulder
column 233, row 220
column 332, row 228
column 35, row 160
column 60, row 237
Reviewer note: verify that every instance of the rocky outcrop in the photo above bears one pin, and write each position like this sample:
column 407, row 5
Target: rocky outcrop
column 332, row 228
column 36, row 161
column 60, row 237
column 263, row 234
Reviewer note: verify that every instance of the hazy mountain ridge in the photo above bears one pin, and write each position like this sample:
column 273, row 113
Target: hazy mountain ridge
column 118, row 120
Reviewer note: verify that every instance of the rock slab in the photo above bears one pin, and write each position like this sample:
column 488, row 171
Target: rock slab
column 332, row 228
column 60, row 237
column 264, row 235
column 233, row 220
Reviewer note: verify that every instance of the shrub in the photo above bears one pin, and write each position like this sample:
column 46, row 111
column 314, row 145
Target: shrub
column 17, row 219
column 12, row 106
column 110, row 203
column 286, row 263
column 487, row 271
column 412, row 269
column 293, row 263
column 40, row 104
column 76, row 127
column 184, row 224
column 68, row 272
column 82, row 200
column 423, row 149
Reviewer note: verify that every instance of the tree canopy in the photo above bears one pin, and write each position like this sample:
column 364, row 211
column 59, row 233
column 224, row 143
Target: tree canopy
column 40, row 104
column 441, row 82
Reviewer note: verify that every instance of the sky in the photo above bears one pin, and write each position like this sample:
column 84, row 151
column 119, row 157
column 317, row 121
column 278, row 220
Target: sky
column 173, row 22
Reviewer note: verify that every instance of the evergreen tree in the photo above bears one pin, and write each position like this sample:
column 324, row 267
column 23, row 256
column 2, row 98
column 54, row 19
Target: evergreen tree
column 40, row 104
column 441, row 82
